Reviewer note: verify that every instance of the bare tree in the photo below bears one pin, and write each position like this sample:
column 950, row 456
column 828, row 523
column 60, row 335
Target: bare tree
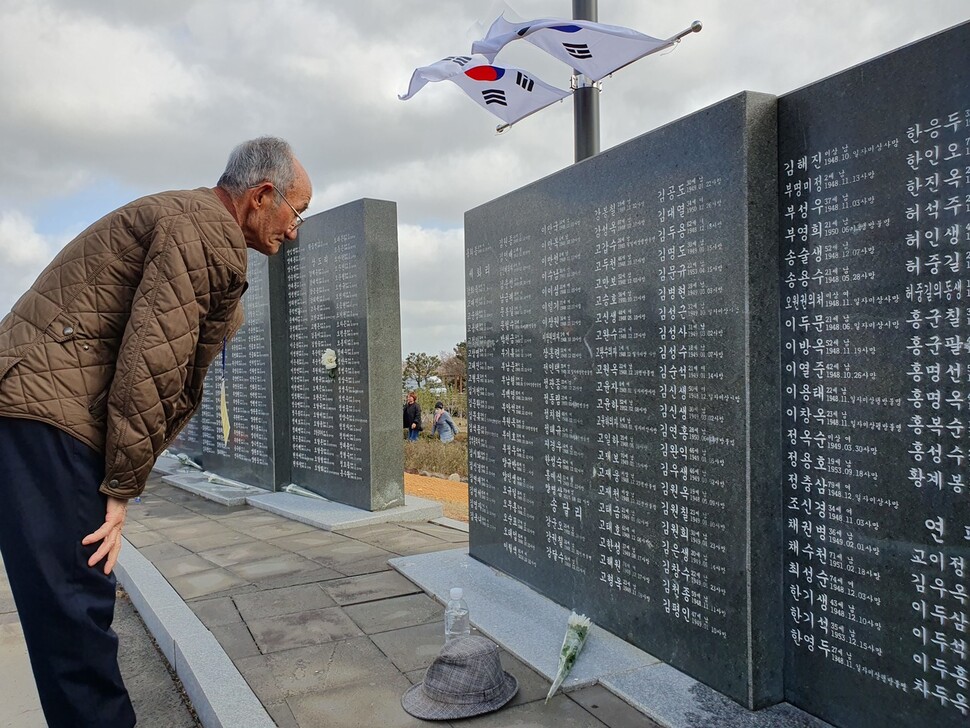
column 453, row 369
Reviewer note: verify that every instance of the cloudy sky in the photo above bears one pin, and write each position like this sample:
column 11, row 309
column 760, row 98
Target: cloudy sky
column 102, row 101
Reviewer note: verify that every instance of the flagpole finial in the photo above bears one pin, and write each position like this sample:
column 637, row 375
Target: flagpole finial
column 696, row 26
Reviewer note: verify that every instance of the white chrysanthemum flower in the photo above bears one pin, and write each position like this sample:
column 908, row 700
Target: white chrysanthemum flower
column 577, row 629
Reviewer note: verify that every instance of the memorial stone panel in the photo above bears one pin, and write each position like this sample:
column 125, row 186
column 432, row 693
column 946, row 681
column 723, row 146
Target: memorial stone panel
column 248, row 456
column 342, row 293
column 623, row 450
column 874, row 197
column 189, row 440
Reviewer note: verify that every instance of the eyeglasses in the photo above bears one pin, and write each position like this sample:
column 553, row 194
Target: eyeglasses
column 299, row 218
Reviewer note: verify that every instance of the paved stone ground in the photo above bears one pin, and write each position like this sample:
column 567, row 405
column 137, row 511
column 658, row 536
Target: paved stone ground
column 324, row 631
column 155, row 693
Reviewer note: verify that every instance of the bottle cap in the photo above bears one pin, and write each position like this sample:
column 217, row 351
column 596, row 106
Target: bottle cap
column 456, row 593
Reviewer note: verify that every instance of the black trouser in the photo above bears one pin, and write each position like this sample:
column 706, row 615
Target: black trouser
column 49, row 501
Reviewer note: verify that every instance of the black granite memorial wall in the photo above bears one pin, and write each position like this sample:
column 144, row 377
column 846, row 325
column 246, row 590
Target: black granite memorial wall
column 759, row 477
column 874, row 193
column 623, row 446
column 335, row 287
column 249, row 454
column 342, row 294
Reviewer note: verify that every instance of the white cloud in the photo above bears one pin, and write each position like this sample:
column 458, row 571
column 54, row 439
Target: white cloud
column 432, row 276
column 24, row 253
column 89, row 76
column 148, row 96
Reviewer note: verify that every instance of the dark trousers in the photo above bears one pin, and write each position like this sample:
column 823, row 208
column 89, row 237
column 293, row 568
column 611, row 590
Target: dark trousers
column 49, row 501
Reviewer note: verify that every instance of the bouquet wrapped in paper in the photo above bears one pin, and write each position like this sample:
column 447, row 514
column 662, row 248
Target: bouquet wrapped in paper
column 187, row 461
column 577, row 629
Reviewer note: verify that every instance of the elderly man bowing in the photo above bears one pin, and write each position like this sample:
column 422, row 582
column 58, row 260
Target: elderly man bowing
column 101, row 365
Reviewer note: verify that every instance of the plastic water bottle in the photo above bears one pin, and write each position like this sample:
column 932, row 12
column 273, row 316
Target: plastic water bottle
column 456, row 616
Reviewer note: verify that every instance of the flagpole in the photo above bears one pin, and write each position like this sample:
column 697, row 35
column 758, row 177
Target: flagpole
column 586, row 108
column 673, row 40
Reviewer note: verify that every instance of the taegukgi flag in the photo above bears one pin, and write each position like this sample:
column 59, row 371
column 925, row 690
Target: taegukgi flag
column 509, row 93
column 593, row 49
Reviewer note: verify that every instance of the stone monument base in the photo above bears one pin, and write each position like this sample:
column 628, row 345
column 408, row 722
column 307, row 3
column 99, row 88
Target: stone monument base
column 332, row 516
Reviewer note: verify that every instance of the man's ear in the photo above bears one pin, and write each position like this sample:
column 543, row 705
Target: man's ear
column 260, row 195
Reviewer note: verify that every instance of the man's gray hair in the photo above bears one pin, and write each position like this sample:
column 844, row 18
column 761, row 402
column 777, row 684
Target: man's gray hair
column 266, row 159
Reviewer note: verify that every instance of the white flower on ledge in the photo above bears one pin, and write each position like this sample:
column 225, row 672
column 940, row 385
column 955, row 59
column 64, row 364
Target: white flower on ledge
column 329, row 361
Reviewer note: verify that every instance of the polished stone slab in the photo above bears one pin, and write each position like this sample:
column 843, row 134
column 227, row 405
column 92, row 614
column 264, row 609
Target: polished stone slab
column 225, row 492
column 623, row 378
column 333, row 516
column 341, row 292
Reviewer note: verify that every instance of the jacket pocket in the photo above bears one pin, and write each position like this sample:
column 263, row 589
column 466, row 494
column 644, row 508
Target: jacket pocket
column 98, row 407
column 6, row 364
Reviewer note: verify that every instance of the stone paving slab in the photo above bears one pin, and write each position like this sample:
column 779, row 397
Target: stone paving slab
column 182, row 565
column 446, row 531
column 315, row 669
column 236, row 640
column 369, row 587
column 350, row 557
column 411, row 648
column 284, row 564
column 276, row 602
column 243, row 552
column 216, row 612
column 206, row 583
column 288, row 631
column 213, row 538
column 369, row 703
column 314, row 575
column 301, row 542
column 218, row 693
column 560, row 711
column 387, row 614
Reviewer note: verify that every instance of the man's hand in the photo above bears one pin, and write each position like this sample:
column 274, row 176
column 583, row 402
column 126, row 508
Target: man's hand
column 109, row 534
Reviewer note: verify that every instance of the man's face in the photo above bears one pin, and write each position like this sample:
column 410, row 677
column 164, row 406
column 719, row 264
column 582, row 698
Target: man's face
column 270, row 220
column 410, row 399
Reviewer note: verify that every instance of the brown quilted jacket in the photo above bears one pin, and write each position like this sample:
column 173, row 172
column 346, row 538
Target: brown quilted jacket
column 113, row 340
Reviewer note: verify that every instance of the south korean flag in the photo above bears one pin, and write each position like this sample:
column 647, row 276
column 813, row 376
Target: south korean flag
column 509, row 93
column 594, row 49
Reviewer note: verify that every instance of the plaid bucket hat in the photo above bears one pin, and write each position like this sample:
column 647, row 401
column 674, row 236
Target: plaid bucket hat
column 465, row 679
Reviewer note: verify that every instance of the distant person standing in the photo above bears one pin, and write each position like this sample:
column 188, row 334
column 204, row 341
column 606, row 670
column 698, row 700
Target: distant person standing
column 412, row 417
column 102, row 363
column 443, row 426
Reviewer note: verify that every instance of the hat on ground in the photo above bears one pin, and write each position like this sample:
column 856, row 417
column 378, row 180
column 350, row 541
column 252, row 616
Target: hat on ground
column 465, row 679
